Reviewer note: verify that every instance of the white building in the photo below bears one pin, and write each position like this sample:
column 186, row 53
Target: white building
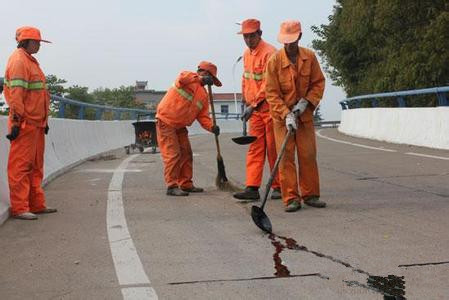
column 227, row 104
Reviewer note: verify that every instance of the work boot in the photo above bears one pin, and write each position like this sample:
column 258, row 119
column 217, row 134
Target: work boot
column 314, row 201
column 175, row 191
column 276, row 194
column 293, row 205
column 47, row 210
column 26, row 216
column 193, row 189
column 250, row 193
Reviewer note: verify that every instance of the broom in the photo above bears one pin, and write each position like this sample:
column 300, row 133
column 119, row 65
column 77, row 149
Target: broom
column 221, row 181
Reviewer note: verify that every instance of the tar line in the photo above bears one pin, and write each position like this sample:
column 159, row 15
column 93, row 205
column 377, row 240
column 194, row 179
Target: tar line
column 131, row 276
column 391, row 286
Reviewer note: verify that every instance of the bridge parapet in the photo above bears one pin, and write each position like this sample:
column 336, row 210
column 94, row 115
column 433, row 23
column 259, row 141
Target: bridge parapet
column 398, row 99
column 363, row 116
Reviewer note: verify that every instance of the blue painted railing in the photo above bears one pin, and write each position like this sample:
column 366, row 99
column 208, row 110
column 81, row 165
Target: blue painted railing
column 356, row 102
column 117, row 112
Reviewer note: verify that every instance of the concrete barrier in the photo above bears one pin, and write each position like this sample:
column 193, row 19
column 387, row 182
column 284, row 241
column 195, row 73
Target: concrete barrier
column 71, row 142
column 423, row 126
column 68, row 143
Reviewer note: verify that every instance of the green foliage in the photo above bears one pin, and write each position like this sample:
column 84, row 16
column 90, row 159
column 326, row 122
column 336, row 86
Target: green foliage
column 55, row 85
column 116, row 97
column 373, row 46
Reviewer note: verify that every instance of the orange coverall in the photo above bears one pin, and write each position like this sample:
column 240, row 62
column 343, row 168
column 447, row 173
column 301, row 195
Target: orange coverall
column 28, row 99
column 286, row 84
column 260, row 124
column 184, row 102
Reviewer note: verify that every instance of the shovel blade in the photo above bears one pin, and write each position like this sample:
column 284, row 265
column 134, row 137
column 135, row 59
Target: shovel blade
column 261, row 219
column 244, row 140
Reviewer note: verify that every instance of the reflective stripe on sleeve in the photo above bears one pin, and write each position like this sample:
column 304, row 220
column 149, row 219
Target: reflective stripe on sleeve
column 34, row 85
column 255, row 76
column 183, row 93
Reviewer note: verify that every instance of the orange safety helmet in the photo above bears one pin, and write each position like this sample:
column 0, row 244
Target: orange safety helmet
column 29, row 33
column 212, row 69
column 289, row 32
column 249, row 26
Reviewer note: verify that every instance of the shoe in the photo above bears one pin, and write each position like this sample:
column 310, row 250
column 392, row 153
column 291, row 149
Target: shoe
column 293, row 205
column 250, row 193
column 314, row 201
column 193, row 189
column 25, row 216
column 46, row 210
column 175, row 191
column 276, row 194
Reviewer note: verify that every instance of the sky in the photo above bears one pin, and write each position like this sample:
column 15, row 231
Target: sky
column 110, row 43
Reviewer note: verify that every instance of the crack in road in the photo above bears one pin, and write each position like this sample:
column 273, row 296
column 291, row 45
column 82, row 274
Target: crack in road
column 424, row 264
column 249, row 279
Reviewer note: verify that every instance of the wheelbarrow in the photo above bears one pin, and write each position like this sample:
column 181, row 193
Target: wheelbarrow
column 145, row 135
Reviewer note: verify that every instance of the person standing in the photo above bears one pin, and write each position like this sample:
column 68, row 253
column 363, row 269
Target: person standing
column 184, row 102
column 28, row 99
column 255, row 60
column 295, row 86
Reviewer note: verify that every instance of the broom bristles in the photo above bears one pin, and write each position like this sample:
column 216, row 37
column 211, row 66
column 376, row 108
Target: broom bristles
column 222, row 181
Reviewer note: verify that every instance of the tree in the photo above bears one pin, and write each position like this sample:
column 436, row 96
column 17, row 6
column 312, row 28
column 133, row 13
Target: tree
column 373, row 46
column 55, row 85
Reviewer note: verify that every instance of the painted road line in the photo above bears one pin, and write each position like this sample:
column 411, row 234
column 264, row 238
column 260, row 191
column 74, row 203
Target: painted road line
column 353, row 144
column 128, row 267
column 428, row 156
column 108, row 171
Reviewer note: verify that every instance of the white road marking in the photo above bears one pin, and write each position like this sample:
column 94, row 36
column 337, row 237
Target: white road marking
column 428, row 156
column 135, row 293
column 108, row 171
column 128, row 266
column 354, row 144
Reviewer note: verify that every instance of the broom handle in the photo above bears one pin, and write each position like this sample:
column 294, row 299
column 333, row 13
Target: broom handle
column 214, row 121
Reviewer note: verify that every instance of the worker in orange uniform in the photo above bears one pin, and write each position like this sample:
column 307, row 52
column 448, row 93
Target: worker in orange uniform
column 184, row 102
column 295, row 86
column 28, row 99
column 255, row 60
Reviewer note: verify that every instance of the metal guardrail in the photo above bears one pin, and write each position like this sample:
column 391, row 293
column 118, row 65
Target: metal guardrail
column 99, row 109
column 355, row 102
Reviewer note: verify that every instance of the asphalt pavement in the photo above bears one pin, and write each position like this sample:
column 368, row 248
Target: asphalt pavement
column 118, row 236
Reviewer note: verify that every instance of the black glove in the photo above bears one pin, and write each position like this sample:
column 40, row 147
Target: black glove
column 46, row 129
column 14, row 133
column 207, row 80
column 215, row 130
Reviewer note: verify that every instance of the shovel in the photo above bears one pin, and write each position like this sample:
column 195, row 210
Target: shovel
column 244, row 139
column 259, row 217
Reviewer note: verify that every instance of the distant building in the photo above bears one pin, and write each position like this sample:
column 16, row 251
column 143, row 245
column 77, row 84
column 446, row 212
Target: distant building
column 224, row 103
column 149, row 97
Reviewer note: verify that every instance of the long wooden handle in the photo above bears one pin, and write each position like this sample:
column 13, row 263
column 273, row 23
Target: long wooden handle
column 214, row 121
column 275, row 167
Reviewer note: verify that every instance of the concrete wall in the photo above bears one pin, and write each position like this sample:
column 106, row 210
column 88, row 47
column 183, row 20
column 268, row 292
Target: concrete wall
column 72, row 141
column 427, row 127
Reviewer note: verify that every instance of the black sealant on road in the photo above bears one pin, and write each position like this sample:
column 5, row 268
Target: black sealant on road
column 391, row 287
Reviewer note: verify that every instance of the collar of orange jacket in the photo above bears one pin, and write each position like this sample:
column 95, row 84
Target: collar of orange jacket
column 258, row 47
column 286, row 61
column 30, row 57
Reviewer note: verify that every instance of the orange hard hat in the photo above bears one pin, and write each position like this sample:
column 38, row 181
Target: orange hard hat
column 249, row 26
column 212, row 69
column 289, row 32
column 29, row 33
